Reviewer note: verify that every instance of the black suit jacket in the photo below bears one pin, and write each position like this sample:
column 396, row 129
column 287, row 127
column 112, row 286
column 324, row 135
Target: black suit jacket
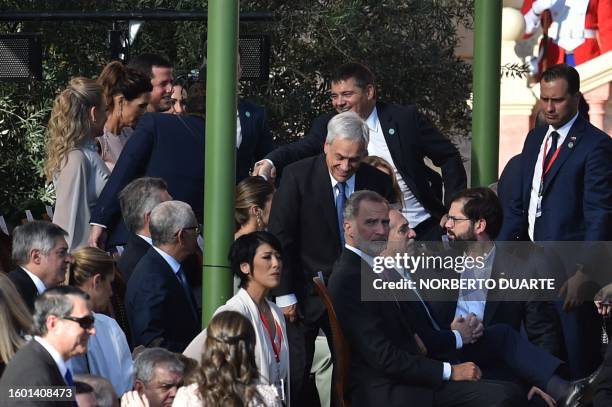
column 386, row 369
column 32, row 365
column 303, row 217
column 157, row 306
column 410, row 137
column 25, row 286
column 539, row 318
column 135, row 249
column 162, row 145
column 256, row 137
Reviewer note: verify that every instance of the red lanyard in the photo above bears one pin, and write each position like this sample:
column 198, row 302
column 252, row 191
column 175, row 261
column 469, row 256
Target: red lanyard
column 279, row 335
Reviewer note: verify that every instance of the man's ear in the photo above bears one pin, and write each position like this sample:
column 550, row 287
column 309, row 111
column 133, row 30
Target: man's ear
column 36, row 256
column 480, row 226
column 370, row 91
column 139, row 386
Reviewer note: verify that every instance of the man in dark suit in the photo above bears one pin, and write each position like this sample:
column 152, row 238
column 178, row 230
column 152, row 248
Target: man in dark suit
column 167, row 146
column 63, row 323
column 399, row 134
column 160, row 306
column 254, row 139
column 41, row 254
column 474, row 220
column 137, row 200
column 566, row 195
column 306, row 216
column 387, row 365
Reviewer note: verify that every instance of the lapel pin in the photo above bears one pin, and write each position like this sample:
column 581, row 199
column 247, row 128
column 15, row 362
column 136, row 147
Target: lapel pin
column 570, row 144
column 247, row 114
column 391, row 131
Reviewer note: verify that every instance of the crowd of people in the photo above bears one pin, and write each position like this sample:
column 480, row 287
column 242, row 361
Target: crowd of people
column 106, row 299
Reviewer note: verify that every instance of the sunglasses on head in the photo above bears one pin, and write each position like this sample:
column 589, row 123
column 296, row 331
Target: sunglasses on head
column 86, row 322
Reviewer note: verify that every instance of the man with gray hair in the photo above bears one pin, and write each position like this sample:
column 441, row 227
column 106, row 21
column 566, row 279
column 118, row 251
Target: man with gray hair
column 41, row 254
column 137, row 200
column 160, row 307
column 158, row 374
column 306, row 216
column 63, row 323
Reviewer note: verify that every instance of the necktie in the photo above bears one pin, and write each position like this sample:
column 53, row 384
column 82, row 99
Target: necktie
column 423, row 303
column 68, row 378
column 180, row 274
column 340, row 201
column 554, row 136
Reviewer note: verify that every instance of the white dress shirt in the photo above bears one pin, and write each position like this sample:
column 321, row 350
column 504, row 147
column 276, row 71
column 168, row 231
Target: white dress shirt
column 413, row 211
column 537, row 173
column 447, row 371
column 475, row 301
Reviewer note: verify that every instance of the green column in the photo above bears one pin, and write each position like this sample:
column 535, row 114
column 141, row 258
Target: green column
column 485, row 115
column 220, row 155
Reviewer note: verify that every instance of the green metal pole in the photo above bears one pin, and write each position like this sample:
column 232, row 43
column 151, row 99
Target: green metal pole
column 220, row 155
column 485, row 115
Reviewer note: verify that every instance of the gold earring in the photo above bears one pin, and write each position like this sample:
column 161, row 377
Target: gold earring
column 259, row 222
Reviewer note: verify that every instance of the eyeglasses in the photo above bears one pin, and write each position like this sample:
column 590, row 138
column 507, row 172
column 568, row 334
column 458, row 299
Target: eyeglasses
column 196, row 227
column 452, row 219
column 86, row 322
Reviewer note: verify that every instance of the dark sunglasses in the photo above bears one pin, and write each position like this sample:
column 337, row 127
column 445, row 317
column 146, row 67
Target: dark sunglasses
column 86, row 322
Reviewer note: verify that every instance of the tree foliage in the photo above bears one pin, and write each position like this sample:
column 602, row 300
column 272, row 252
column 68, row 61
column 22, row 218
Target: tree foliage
column 409, row 45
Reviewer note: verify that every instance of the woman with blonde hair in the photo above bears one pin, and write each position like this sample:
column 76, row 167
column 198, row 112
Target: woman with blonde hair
column 108, row 354
column 126, row 91
column 383, row 165
column 252, row 205
column 229, row 375
column 15, row 320
column 73, row 163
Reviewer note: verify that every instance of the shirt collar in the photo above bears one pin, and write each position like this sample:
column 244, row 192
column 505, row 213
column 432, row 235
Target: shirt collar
column 146, row 239
column 40, row 286
column 563, row 130
column 364, row 256
column 59, row 361
column 174, row 265
column 372, row 120
column 350, row 184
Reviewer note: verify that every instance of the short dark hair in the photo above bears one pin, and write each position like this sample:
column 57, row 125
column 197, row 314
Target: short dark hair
column 482, row 203
column 244, row 248
column 359, row 72
column 145, row 63
column 566, row 72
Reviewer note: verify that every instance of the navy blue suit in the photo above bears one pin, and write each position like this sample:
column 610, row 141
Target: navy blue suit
column 157, row 306
column 256, row 137
column 576, row 206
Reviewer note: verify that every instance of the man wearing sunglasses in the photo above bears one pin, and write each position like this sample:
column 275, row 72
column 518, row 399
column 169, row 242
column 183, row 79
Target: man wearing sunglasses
column 63, row 323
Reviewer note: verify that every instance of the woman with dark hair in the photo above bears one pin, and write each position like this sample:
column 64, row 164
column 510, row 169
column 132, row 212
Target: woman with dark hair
column 256, row 259
column 127, row 96
column 15, row 320
column 383, row 165
column 108, row 354
column 229, row 375
column 252, row 205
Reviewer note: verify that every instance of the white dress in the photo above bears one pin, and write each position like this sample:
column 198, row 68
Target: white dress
column 77, row 188
column 189, row 396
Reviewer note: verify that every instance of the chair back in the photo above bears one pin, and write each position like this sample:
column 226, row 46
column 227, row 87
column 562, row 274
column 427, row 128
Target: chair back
column 341, row 348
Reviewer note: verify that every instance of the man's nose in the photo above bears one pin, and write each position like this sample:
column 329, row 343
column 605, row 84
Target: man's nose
column 411, row 233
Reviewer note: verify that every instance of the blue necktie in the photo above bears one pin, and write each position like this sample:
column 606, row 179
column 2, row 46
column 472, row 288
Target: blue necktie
column 183, row 280
column 68, row 378
column 340, row 201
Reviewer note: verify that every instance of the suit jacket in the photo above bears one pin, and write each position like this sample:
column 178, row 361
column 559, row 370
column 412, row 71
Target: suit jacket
column 256, row 137
column 32, row 365
column 410, row 137
column 162, row 145
column 157, row 306
column 25, row 286
column 577, row 195
column 303, row 217
column 386, row 368
column 540, row 319
column 135, row 249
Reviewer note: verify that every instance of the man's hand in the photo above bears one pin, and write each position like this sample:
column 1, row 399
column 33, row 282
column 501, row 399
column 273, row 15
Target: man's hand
column 290, row 312
column 550, row 402
column 133, row 399
column 97, row 236
column 470, row 328
column 570, row 290
column 603, row 301
column 263, row 168
column 465, row 371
